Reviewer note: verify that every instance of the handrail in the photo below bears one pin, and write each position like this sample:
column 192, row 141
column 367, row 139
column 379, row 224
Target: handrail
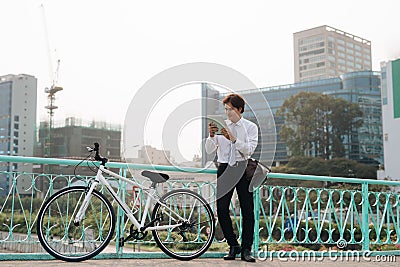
column 73, row 162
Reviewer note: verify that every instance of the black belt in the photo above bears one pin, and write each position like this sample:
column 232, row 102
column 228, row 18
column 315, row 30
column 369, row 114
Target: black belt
column 236, row 164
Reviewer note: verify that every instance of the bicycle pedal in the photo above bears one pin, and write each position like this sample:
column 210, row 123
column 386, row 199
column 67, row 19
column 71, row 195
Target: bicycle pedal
column 183, row 236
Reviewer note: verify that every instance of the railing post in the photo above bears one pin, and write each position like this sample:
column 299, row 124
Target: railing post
column 120, row 214
column 256, row 198
column 364, row 223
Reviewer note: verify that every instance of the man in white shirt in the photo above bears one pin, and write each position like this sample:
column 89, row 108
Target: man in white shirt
column 236, row 144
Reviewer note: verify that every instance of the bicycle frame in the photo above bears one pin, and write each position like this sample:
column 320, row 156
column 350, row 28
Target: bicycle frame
column 150, row 195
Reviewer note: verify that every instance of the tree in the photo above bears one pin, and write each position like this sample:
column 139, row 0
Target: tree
column 339, row 167
column 316, row 124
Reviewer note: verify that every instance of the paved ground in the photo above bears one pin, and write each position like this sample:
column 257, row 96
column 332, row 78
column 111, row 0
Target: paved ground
column 204, row 263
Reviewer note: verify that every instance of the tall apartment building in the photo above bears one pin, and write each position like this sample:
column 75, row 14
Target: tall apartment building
column 325, row 52
column 18, row 95
column 391, row 116
column 364, row 88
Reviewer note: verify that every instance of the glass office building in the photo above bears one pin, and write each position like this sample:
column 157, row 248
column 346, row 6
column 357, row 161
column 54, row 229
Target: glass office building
column 364, row 144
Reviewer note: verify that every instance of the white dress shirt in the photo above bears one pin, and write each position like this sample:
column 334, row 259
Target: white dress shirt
column 246, row 133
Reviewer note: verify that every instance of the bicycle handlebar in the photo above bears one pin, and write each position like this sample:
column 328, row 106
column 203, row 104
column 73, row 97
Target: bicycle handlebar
column 97, row 156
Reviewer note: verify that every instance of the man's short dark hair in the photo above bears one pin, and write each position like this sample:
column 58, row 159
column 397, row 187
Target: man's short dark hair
column 235, row 100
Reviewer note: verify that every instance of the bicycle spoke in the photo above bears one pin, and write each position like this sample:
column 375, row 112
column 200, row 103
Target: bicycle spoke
column 191, row 212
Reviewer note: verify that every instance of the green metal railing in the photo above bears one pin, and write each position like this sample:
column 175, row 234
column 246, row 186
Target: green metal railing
column 286, row 217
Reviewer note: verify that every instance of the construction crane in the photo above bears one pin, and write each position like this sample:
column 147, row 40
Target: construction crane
column 51, row 94
column 54, row 88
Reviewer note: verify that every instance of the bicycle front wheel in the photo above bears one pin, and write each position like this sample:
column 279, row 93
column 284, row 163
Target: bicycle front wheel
column 66, row 241
column 195, row 235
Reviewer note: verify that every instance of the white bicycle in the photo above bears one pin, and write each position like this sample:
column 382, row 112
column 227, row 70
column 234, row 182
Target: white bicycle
column 78, row 222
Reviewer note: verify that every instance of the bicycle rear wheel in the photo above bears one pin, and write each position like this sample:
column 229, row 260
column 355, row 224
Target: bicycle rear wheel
column 197, row 232
column 66, row 241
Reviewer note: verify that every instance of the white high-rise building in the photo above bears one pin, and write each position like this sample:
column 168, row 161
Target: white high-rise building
column 391, row 117
column 18, row 97
column 325, row 52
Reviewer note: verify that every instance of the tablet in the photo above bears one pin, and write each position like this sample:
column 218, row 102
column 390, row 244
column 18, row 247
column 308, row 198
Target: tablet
column 218, row 120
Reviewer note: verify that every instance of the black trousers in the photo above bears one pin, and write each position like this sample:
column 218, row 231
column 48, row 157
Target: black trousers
column 229, row 178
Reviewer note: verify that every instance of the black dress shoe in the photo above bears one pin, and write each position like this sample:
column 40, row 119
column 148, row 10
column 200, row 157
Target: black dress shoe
column 246, row 256
column 233, row 251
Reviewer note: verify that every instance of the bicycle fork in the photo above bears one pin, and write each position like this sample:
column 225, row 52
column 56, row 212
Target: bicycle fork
column 85, row 202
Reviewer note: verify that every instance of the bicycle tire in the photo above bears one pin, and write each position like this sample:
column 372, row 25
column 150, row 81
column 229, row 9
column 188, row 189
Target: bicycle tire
column 203, row 225
column 66, row 241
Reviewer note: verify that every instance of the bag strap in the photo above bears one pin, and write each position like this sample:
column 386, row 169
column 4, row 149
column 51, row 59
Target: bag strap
column 258, row 162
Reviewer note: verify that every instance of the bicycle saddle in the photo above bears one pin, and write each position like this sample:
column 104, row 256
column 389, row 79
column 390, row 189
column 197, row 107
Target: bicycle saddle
column 156, row 177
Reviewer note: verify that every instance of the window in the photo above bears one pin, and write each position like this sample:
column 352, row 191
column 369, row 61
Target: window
column 314, row 52
column 16, row 118
column 311, row 40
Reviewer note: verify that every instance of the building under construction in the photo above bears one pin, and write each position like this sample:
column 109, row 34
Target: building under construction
column 70, row 138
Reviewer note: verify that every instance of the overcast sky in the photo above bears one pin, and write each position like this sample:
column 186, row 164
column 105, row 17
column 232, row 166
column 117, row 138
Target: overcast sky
column 109, row 49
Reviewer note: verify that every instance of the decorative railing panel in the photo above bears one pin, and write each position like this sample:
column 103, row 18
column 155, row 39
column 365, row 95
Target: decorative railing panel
column 310, row 218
